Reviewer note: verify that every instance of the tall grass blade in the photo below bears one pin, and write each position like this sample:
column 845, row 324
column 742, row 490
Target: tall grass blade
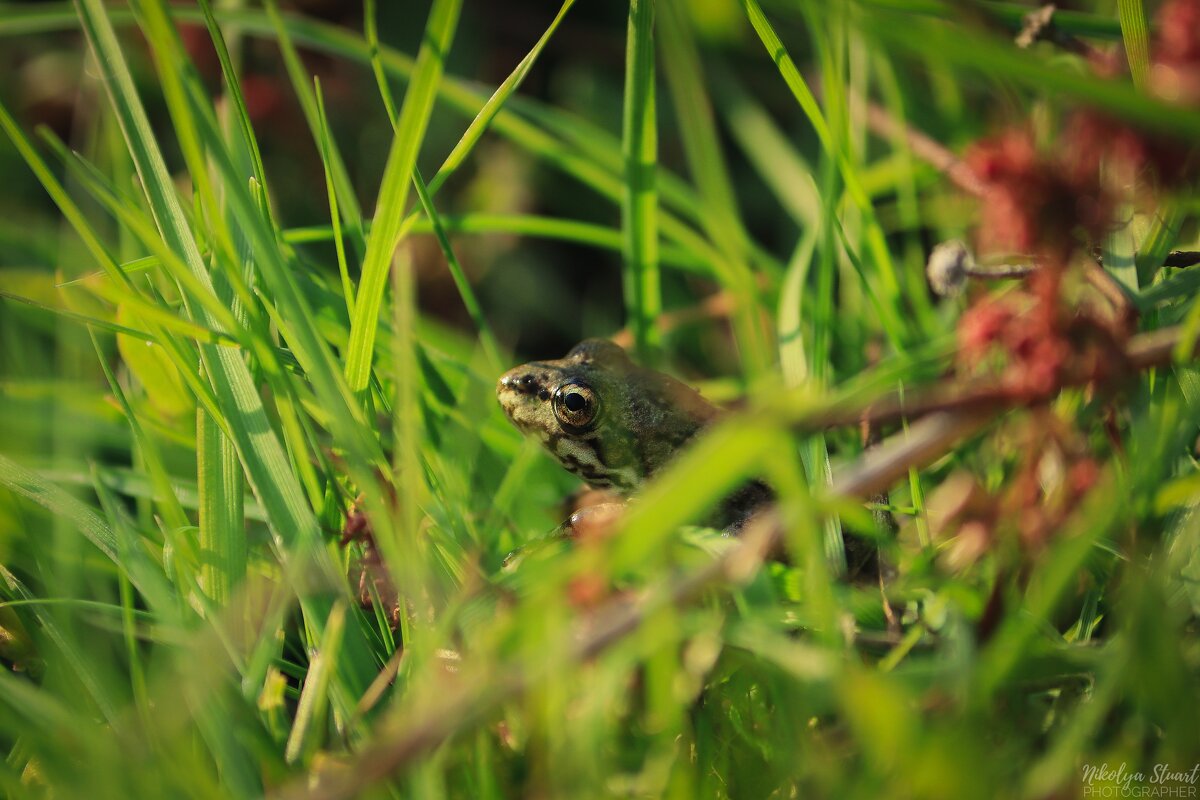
column 639, row 204
column 1136, row 37
column 393, row 191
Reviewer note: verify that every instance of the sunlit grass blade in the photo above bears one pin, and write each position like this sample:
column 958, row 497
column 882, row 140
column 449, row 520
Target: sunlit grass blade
column 1136, row 38
column 371, row 33
column 794, row 361
column 262, row 456
column 487, row 338
column 234, row 88
column 172, row 511
column 639, row 203
column 221, row 535
column 334, row 215
column 310, row 712
column 393, row 190
column 566, row 230
column 32, row 486
column 876, row 243
column 197, row 332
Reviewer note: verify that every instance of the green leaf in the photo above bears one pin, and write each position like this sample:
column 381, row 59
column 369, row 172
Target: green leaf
column 155, row 371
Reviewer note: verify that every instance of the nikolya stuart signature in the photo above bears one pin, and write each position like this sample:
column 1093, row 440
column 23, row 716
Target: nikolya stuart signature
column 1163, row 780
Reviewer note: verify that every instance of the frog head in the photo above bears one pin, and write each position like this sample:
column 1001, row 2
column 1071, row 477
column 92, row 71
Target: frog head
column 605, row 419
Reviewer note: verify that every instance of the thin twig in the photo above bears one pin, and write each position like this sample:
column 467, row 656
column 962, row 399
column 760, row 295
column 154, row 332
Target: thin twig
column 1182, row 258
column 926, row 440
column 1113, row 290
column 1038, row 26
column 718, row 305
column 1001, row 271
column 1143, row 351
column 883, row 124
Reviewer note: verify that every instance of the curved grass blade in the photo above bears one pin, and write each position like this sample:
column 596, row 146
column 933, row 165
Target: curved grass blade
column 876, row 242
column 347, row 200
column 33, row 486
column 571, row 156
column 335, row 220
column 486, row 338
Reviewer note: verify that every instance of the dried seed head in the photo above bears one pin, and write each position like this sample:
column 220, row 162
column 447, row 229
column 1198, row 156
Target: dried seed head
column 948, row 266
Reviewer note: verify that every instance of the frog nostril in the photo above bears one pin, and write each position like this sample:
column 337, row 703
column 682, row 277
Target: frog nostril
column 543, row 394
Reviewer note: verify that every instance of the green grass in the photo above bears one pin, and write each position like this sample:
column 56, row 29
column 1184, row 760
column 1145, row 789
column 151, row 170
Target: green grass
column 221, row 332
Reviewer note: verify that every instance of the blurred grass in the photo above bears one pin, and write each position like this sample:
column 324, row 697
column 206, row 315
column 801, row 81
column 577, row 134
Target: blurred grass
column 208, row 360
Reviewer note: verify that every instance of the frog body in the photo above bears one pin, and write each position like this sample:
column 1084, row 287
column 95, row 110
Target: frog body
column 613, row 423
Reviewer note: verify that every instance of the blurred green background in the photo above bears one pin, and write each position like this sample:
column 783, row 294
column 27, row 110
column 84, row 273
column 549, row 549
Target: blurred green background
column 196, row 392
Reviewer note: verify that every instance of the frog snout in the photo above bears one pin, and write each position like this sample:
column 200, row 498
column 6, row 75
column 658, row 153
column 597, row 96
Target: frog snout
column 518, row 380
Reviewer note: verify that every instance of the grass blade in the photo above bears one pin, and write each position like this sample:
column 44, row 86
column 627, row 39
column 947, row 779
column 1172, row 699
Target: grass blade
column 393, row 191
column 262, row 456
column 32, row 486
column 639, row 204
column 1136, row 37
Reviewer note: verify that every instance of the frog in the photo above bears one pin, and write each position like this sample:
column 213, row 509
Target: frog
column 616, row 425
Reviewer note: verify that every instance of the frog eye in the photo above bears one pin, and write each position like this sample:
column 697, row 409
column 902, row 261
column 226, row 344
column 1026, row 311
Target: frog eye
column 576, row 407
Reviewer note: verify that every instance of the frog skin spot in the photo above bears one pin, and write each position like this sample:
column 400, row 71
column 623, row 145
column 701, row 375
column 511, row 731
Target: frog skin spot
column 579, row 457
column 582, row 457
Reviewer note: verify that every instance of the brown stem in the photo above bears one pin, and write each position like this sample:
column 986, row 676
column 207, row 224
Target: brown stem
column 1103, row 281
column 881, row 122
column 1182, row 258
column 1143, row 351
column 1039, row 27
column 718, row 305
column 926, row 440
column 1002, row 271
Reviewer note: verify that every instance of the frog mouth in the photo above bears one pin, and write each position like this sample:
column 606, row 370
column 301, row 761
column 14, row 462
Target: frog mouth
column 519, row 404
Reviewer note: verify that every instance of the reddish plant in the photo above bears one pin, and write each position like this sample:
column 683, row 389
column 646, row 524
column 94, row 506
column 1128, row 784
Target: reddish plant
column 1175, row 54
column 1044, row 204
